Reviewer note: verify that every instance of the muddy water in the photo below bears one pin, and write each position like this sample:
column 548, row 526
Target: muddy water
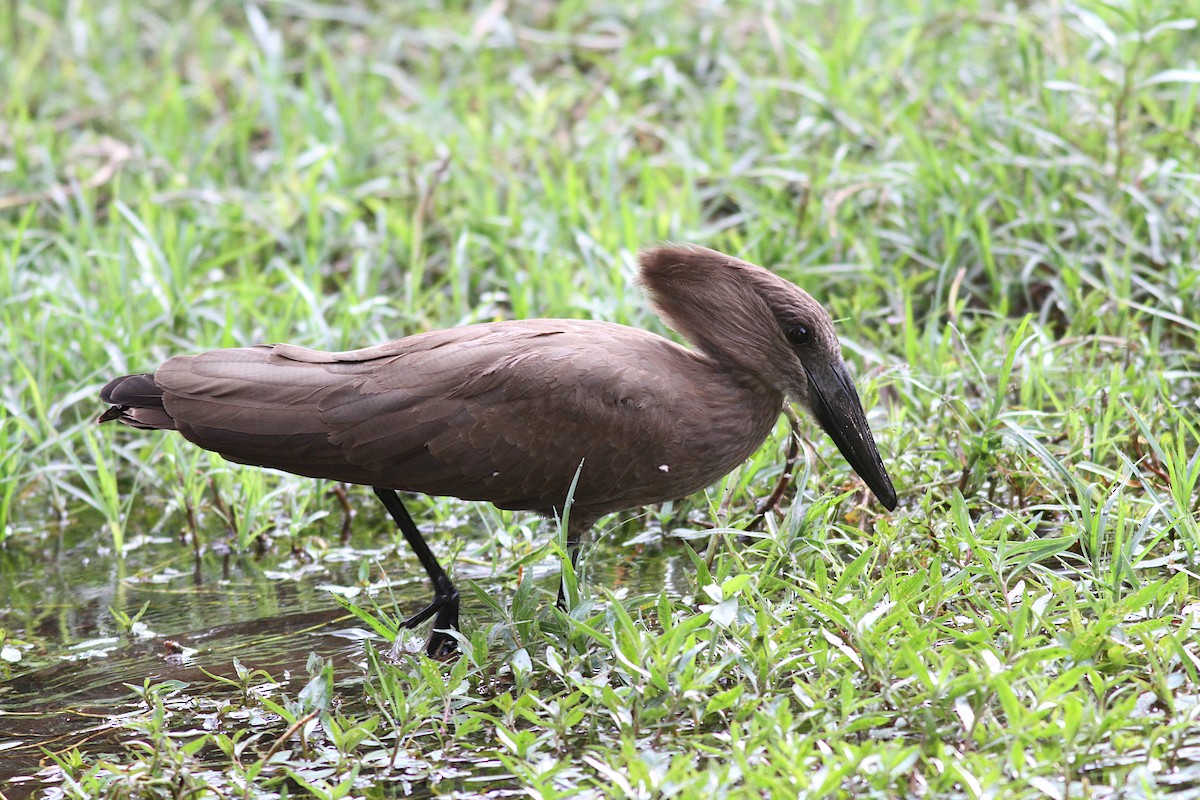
column 269, row 612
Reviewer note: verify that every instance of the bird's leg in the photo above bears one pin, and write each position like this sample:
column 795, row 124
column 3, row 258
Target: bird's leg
column 444, row 607
column 574, row 535
column 573, row 549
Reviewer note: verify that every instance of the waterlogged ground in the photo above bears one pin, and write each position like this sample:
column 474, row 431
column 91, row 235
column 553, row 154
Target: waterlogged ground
column 73, row 664
column 996, row 201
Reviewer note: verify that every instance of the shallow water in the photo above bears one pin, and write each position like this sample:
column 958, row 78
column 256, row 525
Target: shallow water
column 201, row 613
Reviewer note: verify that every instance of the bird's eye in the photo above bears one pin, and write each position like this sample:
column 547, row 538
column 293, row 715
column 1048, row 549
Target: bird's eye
column 797, row 335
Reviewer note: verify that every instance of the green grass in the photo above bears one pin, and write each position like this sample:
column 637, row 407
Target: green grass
column 999, row 203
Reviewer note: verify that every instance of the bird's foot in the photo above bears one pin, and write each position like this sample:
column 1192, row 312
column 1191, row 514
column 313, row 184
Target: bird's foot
column 444, row 610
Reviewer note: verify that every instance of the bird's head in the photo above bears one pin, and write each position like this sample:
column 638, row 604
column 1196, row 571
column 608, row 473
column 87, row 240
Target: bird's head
column 759, row 324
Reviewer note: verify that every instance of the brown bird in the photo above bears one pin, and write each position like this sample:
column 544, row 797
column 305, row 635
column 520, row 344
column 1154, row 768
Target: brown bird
column 511, row 412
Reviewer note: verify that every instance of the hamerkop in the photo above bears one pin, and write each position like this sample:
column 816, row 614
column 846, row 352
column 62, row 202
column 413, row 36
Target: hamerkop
column 515, row 412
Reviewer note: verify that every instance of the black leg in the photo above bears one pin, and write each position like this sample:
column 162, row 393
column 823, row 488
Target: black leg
column 573, row 538
column 444, row 607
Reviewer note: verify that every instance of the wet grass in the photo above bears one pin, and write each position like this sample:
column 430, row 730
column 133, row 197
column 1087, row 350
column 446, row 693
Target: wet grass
column 999, row 203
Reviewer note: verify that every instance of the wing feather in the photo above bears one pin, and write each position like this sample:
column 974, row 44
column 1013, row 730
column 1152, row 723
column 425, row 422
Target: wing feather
column 504, row 412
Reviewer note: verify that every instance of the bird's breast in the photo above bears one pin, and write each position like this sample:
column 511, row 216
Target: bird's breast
column 675, row 444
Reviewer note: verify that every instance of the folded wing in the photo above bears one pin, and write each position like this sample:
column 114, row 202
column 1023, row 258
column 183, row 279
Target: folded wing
column 503, row 412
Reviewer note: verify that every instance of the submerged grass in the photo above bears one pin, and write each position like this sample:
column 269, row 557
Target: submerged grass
column 999, row 203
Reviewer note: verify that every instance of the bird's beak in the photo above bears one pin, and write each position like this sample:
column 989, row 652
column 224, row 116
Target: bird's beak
column 835, row 404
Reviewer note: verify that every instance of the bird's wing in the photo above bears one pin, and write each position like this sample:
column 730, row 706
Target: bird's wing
column 504, row 412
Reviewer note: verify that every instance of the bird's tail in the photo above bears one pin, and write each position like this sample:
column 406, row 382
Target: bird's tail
column 136, row 401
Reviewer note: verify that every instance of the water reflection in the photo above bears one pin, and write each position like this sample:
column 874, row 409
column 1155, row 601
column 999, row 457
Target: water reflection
column 201, row 613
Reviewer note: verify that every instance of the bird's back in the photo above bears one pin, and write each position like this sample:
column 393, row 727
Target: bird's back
column 505, row 412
